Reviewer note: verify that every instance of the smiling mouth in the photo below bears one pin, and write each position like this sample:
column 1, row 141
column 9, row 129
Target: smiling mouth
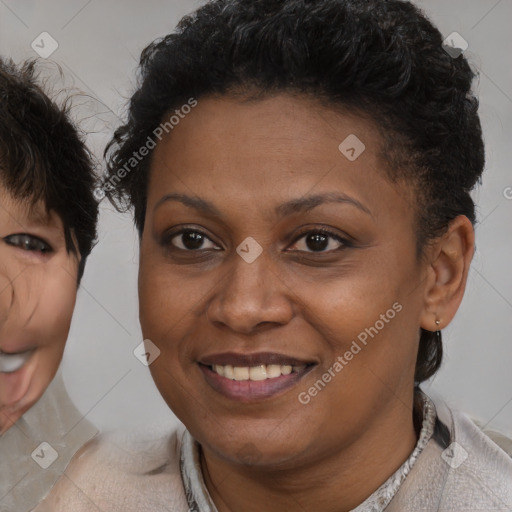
column 10, row 363
column 250, row 377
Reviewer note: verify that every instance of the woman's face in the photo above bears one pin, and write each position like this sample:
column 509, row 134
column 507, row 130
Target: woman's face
column 279, row 280
column 37, row 296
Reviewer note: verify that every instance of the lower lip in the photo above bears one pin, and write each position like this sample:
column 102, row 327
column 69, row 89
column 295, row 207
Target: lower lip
column 252, row 390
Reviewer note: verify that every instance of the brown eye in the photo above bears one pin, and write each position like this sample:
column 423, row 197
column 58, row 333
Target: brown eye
column 28, row 243
column 190, row 240
column 319, row 241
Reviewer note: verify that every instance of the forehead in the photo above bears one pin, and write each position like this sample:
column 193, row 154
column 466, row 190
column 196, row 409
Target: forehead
column 26, row 212
column 288, row 120
column 286, row 145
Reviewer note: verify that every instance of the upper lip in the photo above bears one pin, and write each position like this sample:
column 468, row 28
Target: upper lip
column 248, row 360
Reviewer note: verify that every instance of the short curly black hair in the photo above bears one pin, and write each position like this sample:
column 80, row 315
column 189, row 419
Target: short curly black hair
column 43, row 157
column 381, row 59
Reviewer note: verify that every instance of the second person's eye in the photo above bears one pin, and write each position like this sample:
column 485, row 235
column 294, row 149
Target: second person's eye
column 28, row 243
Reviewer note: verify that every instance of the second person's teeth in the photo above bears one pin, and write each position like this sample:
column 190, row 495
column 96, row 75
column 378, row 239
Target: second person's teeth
column 10, row 363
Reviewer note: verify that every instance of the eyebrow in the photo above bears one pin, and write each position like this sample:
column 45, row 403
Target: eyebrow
column 307, row 203
column 302, row 204
column 198, row 204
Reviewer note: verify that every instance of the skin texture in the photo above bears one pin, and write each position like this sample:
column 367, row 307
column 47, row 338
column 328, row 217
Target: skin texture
column 37, row 297
column 247, row 158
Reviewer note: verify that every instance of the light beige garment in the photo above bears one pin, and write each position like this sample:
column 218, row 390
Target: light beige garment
column 161, row 472
column 123, row 473
column 460, row 470
column 35, row 451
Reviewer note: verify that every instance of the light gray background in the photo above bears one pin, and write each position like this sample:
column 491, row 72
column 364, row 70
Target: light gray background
column 99, row 46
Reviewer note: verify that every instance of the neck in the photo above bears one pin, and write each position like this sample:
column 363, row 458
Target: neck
column 337, row 482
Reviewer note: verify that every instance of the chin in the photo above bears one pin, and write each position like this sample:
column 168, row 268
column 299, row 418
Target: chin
column 253, row 449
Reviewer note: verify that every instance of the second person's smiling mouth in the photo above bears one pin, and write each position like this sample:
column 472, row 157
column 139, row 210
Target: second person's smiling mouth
column 12, row 362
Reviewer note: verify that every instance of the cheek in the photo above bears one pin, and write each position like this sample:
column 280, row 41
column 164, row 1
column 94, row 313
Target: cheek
column 365, row 314
column 41, row 312
column 169, row 309
column 57, row 311
column 167, row 298
column 51, row 322
column 342, row 301
column 152, row 300
column 57, row 296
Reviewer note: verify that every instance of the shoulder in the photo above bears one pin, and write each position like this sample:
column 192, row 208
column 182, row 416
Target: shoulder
column 487, row 447
column 460, row 468
column 483, row 470
column 499, row 438
column 139, row 471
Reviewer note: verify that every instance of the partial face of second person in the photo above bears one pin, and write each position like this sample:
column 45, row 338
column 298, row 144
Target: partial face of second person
column 338, row 250
column 38, row 285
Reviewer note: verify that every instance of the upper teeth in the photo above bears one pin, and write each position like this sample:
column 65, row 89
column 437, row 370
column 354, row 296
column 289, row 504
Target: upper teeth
column 10, row 363
column 260, row 372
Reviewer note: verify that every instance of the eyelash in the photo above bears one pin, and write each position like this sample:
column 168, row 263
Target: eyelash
column 167, row 239
column 22, row 240
column 323, row 231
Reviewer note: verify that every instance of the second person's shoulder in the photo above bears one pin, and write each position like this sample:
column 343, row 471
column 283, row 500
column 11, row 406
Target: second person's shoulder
column 136, row 471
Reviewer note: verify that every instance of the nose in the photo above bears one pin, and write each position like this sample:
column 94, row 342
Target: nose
column 251, row 297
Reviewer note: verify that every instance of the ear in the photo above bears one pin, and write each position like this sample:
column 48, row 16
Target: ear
column 449, row 261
